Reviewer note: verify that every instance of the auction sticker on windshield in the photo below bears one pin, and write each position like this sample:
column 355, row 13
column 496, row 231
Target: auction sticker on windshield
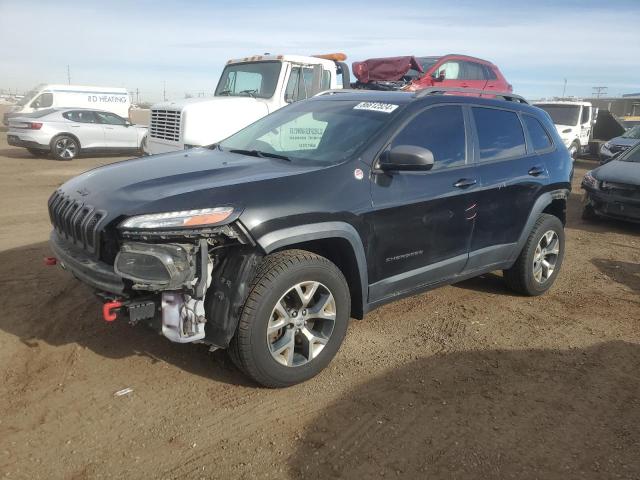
column 376, row 107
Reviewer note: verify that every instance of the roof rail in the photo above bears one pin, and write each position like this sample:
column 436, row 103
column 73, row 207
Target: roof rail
column 341, row 90
column 509, row 97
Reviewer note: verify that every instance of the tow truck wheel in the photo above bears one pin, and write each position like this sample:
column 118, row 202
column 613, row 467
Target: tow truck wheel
column 294, row 320
column 574, row 150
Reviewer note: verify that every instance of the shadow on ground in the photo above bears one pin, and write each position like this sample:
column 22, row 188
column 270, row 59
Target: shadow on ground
column 46, row 304
column 626, row 273
column 485, row 414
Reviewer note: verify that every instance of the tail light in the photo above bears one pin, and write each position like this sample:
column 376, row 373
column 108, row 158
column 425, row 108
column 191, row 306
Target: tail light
column 34, row 126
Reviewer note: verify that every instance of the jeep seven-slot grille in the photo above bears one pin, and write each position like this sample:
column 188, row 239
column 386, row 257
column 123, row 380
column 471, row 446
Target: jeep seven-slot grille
column 75, row 222
column 165, row 124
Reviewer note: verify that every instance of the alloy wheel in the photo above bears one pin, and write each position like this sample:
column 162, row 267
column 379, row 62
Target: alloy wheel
column 66, row 148
column 546, row 256
column 301, row 323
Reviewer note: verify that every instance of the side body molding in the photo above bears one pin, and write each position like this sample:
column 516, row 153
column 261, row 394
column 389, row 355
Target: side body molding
column 317, row 231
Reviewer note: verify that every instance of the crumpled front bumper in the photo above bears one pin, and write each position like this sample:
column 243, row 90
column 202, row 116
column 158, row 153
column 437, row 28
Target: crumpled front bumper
column 96, row 274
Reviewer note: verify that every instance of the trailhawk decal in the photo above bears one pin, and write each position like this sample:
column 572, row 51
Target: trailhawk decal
column 376, row 107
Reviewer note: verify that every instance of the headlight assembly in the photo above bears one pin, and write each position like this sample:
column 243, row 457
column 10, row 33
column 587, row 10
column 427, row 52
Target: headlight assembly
column 590, row 181
column 187, row 218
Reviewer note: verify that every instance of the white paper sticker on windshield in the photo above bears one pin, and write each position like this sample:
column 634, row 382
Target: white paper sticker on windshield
column 376, row 107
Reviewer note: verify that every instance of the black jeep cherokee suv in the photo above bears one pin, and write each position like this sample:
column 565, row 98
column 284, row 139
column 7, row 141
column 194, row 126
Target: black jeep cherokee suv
column 268, row 242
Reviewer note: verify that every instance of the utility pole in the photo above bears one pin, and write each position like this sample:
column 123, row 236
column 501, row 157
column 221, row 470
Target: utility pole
column 137, row 96
column 597, row 91
column 68, row 75
column 164, row 90
column 564, row 89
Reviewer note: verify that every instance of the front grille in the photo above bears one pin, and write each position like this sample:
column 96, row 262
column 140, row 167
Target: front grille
column 621, row 189
column 76, row 222
column 165, row 124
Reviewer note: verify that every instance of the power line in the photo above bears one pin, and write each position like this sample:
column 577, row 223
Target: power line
column 597, row 91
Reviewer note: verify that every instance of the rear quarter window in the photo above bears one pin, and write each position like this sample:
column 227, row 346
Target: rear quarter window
column 540, row 139
column 500, row 134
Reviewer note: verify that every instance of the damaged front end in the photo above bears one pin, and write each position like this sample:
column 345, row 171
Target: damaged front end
column 180, row 272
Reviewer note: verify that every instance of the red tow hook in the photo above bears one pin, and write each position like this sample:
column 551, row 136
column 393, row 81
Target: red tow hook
column 108, row 310
column 50, row 261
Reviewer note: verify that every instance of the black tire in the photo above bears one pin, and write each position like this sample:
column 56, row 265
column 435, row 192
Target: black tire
column 37, row 153
column 588, row 213
column 520, row 277
column 576, row 147
column 250, row 349
column 65, row 147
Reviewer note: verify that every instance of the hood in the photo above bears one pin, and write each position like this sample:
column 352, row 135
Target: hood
column 384, row 69
column 619, row 172
column 624, row 142
column 199, row 178
column 214, row 119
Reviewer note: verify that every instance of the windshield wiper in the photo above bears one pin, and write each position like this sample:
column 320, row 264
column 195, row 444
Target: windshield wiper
column 224, row 92
column 258, row 153
column 251, row 93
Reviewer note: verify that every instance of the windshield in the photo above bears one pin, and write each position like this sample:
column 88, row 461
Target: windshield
column 562, row 114
column 633, row 132
column 28, row 97
column 256, row 79
column 631, row 155
column 320, row 132
column 426, row 63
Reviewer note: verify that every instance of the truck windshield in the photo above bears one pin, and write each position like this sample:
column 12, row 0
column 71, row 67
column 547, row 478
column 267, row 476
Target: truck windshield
column 314, row 131
column 255, row 79
column 562, row 114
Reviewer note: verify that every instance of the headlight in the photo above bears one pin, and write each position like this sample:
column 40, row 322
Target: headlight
column 590, row 181
column 607, row 145
column 186, row 218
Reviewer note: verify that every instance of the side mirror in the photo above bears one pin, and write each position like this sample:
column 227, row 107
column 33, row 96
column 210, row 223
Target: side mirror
column 406, row 158
column 127, row 123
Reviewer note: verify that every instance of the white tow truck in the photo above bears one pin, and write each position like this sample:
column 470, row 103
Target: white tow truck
column 249, row 88
column 574, row 121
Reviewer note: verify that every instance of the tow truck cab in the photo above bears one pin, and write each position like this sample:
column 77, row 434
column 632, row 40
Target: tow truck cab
column 249, row 88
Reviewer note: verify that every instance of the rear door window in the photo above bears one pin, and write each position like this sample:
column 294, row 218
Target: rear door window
column 441, row 130
column 500, row 134
column 80, row 116
column 473, row 71
column 540, row 139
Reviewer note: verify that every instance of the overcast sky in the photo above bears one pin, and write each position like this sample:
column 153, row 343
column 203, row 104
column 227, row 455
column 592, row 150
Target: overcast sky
column 536, row 44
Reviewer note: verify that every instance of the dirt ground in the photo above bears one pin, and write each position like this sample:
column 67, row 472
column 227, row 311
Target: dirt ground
column 468, row 381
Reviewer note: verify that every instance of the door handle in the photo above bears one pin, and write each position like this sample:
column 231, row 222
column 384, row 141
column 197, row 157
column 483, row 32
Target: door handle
column 465, row 183
column 536, row 171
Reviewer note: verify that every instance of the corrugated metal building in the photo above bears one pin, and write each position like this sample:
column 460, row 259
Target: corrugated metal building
column 625, row 106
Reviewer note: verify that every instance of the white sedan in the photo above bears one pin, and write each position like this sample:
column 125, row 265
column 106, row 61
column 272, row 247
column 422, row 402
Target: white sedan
column 66, row 132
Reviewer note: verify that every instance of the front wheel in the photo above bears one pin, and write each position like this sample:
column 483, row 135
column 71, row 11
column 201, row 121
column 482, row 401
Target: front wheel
column 539, row 261
column 574, row 150
column 64, row 147
column 294, row 320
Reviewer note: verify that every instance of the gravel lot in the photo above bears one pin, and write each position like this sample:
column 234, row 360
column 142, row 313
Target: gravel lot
column 468, row 381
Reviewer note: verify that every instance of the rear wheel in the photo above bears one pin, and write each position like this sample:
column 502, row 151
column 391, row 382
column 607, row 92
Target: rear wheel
column 540, row 260
column 64, row 147
column 294, row 319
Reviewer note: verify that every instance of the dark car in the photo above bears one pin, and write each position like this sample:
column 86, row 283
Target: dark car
column 617, row 145
column 613, row 190
column 268, row 242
